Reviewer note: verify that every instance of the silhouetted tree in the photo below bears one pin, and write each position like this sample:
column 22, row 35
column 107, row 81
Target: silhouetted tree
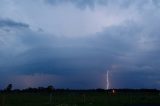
column 50, row 88
column 9, row 88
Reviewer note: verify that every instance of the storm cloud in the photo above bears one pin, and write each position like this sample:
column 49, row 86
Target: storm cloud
column 72, row 43
column 9, row 23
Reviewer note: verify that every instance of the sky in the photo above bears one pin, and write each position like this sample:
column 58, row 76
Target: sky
column 73, row 43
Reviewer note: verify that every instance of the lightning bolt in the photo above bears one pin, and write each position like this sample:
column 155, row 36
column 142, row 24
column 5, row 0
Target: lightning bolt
column 107, row 79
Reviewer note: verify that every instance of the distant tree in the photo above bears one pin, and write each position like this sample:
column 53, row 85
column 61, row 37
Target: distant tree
column 50, row 88
column 9, row 88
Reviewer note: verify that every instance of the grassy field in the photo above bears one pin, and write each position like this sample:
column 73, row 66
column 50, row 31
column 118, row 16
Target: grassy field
column 79, row 99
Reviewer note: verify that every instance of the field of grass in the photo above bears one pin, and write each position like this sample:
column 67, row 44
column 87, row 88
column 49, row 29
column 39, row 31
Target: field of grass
column 79, row 99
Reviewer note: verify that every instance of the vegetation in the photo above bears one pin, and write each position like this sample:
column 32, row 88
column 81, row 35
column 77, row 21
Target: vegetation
column 99, row 97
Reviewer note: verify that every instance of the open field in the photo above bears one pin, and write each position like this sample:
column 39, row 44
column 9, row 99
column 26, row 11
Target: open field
column 80, row 99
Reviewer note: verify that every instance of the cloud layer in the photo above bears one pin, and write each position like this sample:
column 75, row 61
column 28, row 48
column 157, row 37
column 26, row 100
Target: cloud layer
column 72, row 43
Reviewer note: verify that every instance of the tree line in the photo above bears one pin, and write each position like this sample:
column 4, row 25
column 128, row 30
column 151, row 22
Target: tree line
column 51, row 88
column 9, row 88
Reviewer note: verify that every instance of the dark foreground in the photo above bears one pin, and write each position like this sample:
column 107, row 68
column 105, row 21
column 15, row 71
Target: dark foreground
column 80, row 99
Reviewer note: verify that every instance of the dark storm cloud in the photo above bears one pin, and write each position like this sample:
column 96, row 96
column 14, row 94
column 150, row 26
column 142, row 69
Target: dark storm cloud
column 130, row 49
column 156, row 2
column 79, row 3
column 132, row 79
column 10, row 23
column 117, row 45
column 82, row 4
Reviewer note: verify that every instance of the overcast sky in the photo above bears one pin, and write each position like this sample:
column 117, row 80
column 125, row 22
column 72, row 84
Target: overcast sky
column 72, row 43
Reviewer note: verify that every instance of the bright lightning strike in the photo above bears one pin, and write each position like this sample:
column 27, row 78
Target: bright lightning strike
column 107, row 79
